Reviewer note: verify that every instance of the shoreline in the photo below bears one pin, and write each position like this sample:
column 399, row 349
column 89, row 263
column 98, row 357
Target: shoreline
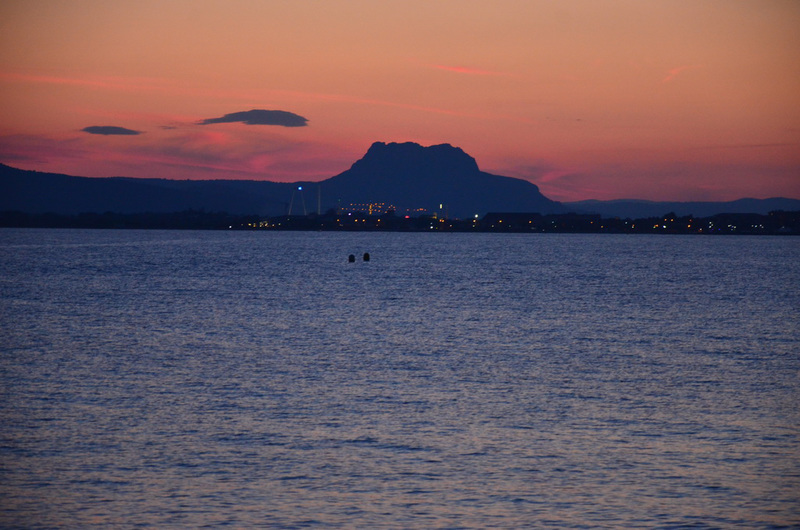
column 774, row 223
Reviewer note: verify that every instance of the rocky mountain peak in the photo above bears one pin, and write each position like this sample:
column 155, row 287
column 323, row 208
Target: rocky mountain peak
column 413, row 157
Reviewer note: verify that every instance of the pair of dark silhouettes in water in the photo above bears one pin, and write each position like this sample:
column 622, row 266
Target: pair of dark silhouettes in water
column 352, row 257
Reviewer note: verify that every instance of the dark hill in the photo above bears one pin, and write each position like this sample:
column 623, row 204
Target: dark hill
column 638, row 209
column 411, row 176
column 406, row 175
column 36, row 192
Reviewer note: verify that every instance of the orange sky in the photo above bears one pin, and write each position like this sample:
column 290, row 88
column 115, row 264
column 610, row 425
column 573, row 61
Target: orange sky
column 661, row 100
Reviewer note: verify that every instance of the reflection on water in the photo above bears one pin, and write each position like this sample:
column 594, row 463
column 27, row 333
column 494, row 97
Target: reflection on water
column 454, row 380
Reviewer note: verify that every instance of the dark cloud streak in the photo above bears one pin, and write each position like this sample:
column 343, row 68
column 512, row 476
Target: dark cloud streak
column 107, row 130
column 261, row 117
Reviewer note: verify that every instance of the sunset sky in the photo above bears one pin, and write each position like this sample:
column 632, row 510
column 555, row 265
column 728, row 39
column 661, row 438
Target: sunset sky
column 588, row 99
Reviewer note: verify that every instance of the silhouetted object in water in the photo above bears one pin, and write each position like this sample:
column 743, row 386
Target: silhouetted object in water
column 366, row 256
column 351, row 258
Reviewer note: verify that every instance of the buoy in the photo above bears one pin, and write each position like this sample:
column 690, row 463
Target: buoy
column 366, row 256
column 351, row 258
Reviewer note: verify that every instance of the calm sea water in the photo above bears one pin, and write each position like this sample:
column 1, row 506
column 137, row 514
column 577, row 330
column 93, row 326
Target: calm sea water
column 189, row 379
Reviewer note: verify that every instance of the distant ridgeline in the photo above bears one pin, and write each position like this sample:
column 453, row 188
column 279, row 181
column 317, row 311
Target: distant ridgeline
column 408, row 176
column 394, row 186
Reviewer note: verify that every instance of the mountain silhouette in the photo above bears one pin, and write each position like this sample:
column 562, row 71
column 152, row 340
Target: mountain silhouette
column 37, row 192
column 410, row 176
column 406, row 175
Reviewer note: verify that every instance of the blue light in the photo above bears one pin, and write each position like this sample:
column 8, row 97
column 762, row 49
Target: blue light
column 299, row 188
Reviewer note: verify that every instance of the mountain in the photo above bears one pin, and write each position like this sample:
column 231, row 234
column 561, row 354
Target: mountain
column 407, row 175
column 410, row 176
column 637, row 209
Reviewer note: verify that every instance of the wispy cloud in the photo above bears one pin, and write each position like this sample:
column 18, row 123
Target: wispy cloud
column 164, row 86
column 468, row 70
column 131, row 84
column 36, row 151
column 675, row 72
column 748, row 146
column 356, row 100
column 106, row 82
column 261, row 117
column 193, row 153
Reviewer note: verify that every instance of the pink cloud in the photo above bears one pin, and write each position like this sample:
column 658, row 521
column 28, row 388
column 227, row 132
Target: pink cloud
column 665, row 180
column 468, row 70
column 184, row 155
column 132, row 84
column 115, row 83
column 341, row 98
column 31, row 151
column 165, row 86
column 678, row 181
column 674, row 72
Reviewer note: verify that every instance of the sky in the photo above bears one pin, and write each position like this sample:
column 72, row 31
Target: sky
column 588, row 99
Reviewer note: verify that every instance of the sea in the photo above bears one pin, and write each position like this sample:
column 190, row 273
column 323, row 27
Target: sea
column 257, row 379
